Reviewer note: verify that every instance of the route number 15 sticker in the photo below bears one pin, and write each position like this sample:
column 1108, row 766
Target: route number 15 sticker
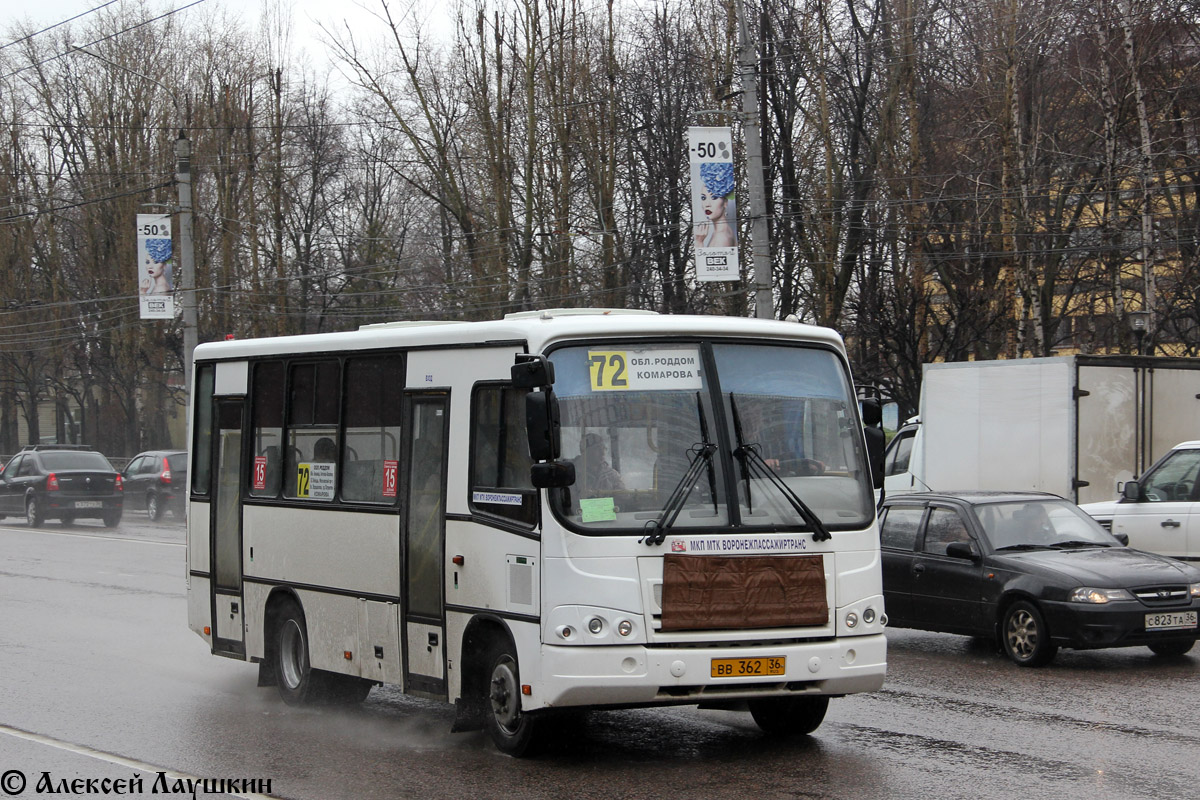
column 671, row 369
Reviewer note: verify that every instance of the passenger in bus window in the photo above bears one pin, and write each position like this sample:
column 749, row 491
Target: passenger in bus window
column 325, row 450
column 596, row 475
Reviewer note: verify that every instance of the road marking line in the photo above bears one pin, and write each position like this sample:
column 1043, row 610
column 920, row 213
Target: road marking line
column 120, row 761
column 91, row 536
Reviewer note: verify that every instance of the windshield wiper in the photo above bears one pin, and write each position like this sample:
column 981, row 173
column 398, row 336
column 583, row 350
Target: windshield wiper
column 656, row 529
column 752, row 462
column 1074, row 544
column 1024, row 546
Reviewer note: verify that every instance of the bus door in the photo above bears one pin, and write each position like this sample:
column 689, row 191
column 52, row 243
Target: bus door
column 423, row 536
column 226, row 533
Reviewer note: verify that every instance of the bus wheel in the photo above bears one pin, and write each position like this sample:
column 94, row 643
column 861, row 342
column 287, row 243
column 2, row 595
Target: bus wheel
column 345, row 689
column 296, row 680
column 789, row 716
column 512, row 731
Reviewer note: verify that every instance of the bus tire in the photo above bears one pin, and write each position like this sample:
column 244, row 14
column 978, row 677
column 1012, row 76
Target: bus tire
column 347, row 690
column 512, row 731
column 789, row 716
column 298, row 683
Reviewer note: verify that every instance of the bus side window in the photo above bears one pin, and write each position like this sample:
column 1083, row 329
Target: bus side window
column 266, row 414
column 313, row 390
column 500, row 482
column 371, row 450
column 203, row 431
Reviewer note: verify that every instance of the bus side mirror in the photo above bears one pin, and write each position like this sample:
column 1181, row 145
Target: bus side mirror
column 553, row 475
column 532, row 372
column 541, row 421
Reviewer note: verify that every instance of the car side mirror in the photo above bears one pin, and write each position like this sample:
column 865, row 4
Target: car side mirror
column 963, row 550
column 1131, row 491
column 1123, row 538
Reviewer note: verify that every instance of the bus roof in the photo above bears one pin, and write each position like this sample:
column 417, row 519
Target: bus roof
column 536, row 328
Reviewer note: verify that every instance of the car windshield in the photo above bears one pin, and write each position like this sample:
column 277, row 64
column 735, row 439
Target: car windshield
column 82, row 459
column 651, row 448
column 1040, row 524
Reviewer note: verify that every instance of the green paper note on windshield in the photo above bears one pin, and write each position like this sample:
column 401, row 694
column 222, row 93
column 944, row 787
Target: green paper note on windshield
column 598, row 509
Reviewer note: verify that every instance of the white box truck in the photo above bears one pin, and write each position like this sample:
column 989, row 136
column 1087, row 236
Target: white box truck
column 1077, row 426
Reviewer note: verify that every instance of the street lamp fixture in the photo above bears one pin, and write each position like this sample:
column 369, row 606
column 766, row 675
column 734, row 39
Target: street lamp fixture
column 1139, row 323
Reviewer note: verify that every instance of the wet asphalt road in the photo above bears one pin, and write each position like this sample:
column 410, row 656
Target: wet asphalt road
column 100, row 678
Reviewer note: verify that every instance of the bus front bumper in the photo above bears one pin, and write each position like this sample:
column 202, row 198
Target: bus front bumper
column 640, row 675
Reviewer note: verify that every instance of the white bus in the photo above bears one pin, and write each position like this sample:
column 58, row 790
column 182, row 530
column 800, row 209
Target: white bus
column 559, row 509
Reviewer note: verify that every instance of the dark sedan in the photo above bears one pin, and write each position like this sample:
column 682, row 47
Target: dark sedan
column 61, row 482
column 158, row 479
column 1032, row 571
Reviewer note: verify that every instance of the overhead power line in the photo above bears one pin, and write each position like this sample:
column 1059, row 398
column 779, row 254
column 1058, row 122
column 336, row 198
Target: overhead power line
column 57, row 25
column 121, row 32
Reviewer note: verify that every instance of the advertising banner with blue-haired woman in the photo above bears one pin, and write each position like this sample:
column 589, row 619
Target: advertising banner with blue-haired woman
column 154, row 266
column 714, row 213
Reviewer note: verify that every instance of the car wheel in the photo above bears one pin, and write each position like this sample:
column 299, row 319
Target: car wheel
column 1170, row 649
column 154, row 509
column 789, row 716
column 513, row 731
column 112, row 518
column 1025, row 637
column 33, row 512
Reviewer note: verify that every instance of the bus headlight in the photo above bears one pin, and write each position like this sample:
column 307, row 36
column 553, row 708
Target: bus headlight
column 595, row 625
column 869, row 615
column 852, row 620
column 624, row 627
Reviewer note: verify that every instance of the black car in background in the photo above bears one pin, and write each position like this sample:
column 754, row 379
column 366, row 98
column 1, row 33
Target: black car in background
column 61, row 482
column 1032, row 571
column 157, row 479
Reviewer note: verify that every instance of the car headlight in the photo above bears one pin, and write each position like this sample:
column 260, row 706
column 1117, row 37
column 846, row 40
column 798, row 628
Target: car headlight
column 1088, row 594
column 1195, row 590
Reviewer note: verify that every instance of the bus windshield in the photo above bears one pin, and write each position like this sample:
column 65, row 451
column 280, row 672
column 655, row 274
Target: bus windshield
column 650, row 430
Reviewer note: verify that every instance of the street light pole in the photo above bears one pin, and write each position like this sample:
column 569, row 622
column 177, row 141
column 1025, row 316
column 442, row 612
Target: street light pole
column 760, row 230
column 187, row 250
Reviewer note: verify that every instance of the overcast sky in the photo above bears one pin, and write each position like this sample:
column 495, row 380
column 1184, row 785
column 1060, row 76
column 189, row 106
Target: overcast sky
column 307, row 15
